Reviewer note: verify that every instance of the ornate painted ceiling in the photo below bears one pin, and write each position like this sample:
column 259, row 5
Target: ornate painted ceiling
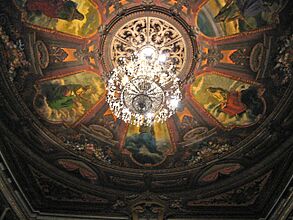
column 225, row 154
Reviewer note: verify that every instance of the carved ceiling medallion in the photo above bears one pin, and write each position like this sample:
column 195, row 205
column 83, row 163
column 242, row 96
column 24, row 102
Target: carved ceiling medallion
column 149, row 29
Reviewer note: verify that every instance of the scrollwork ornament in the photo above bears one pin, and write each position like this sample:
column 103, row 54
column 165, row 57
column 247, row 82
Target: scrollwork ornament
column 155, row 32
column 168, row 36
column 3, row 19
column 148, row 2
column 17, row 57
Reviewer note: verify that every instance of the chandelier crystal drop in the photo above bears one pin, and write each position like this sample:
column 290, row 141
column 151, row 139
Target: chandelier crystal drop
column 144, row 88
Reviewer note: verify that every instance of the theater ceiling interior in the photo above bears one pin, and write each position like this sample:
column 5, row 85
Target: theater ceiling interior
column 226, row 151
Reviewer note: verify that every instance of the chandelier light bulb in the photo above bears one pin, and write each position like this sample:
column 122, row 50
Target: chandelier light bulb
column 162, row 58
column 174, row 103
column 148, row 52
column 150, row 115
column 125, row 80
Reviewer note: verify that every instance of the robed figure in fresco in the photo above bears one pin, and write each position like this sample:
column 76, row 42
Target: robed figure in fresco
column 236, row 103
column 62, row 96
column 239, row 9
column 230, row 102
column 67, row 99
column 60, row 9
column 143, row 146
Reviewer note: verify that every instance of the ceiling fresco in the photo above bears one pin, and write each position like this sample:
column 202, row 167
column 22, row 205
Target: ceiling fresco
column 233, row 17
column 227, row 149
column 78, row 18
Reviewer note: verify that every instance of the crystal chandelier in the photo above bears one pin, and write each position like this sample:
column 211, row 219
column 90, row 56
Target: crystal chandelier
column 144, row 88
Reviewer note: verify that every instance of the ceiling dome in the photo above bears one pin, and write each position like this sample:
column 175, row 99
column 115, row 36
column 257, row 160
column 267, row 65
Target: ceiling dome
column 226, row 152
